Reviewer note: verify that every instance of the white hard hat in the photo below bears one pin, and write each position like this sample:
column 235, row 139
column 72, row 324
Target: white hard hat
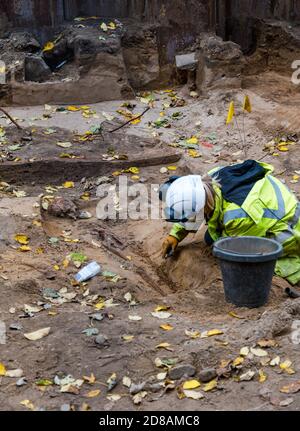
column 185, row 198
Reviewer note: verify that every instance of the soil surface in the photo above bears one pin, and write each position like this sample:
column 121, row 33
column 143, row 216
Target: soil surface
column 94, row 340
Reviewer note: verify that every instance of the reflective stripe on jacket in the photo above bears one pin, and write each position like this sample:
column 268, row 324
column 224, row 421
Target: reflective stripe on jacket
column 269, row 210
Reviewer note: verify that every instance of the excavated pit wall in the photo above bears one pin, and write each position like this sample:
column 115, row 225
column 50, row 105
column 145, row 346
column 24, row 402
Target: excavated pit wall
column 155, row 32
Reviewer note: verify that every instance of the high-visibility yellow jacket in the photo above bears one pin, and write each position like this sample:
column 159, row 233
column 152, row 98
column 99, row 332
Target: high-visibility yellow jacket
column 270, row 210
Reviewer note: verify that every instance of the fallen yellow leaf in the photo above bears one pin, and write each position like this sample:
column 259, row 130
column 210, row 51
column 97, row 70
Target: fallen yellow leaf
column 27, row 404
column 238, row 361
column 22, row 239
column 194, row 153
column 85, row 196
column 128, row 338
column 210, row 385
column 136, row 121
column 49, row 46
column 172, row 168
column 66, row 263
column 68, row 185
column 214, row 332
column 262, row 376
column 233, row 314
column 224, row 363
column 133, row 170
column 73, row 108
column 193, row 334
column 37, row 223
column 166, row 346
column 93, row 394
column 24, row 248
column 167, row 327
column 2, row 369
column 52, row 313
column 285, row 365
column 90, row 379
column 193, row 140
column 161, row 308
column 191, row 384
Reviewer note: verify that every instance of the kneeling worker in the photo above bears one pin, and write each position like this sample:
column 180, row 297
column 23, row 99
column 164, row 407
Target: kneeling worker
column 239, row 200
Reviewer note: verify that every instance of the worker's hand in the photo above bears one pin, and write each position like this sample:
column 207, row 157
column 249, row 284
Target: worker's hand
column 169, row 245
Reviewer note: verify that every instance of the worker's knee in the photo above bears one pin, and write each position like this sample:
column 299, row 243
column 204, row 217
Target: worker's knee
column 208, row 239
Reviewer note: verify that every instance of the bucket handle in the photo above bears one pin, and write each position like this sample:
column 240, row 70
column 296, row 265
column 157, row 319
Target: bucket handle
column 237, row 253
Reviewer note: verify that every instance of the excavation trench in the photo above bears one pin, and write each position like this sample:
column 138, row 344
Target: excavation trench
column 190, row 280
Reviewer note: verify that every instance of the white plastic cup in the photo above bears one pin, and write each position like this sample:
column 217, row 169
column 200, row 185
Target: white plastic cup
column 88, row 272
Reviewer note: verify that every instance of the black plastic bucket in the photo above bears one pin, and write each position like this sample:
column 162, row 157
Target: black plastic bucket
column 247, row 265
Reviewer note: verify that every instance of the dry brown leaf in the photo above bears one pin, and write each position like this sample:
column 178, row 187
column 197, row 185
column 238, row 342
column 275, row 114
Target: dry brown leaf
column 126, row 381
column 244, row 351
column 128, row 338
column 246, row 377
column 27, row 404
column 292, row 388
column 37, row 335
column 166, row 346
column 258, row 352
column 192, row 334
column 266, row 343
column 194, row 395
column 275, row 361
column 90, row 380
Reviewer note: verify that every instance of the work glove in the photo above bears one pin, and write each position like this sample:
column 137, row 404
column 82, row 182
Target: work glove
column 169, row 246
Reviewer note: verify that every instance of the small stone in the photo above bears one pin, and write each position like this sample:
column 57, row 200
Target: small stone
column 101, row 340
column 163, row 170
column 65, row 408
column 21, row 382
column 265, row 393
column 103, row 180
column 207, row 375
column 182, row 370
column 50, row 275
column 286, row 402
column 136, row 388
column 97, row 316
column 16, row 327
column 143, row 180
column 84, row 215
column 48, row 292
column 36, row 69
